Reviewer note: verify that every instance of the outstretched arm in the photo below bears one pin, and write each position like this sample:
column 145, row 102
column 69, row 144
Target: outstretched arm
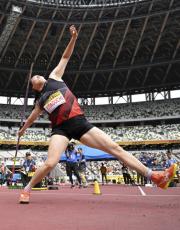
column 32, row 117
column 58, row 72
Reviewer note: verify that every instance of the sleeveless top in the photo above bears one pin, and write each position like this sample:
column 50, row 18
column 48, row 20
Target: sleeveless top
column 59, row 102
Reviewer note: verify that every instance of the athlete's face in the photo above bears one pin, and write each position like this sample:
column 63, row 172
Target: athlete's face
column 37, row 82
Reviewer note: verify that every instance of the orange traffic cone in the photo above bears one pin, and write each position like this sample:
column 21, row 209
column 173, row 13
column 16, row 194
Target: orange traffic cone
column 96, row 189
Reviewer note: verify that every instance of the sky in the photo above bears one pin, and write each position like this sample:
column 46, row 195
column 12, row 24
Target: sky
column 99, row 101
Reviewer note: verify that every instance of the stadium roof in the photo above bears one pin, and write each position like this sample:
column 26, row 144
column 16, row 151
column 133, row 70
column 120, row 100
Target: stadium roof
column 121, row 48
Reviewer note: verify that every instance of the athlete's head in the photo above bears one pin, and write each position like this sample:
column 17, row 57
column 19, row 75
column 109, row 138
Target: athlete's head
column 38, row 82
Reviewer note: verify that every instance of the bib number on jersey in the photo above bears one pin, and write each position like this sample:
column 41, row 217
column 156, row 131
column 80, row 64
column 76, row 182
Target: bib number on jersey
column 56, row 99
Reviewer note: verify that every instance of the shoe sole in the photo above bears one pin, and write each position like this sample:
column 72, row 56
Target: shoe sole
column 172, row 177
column 24, row 202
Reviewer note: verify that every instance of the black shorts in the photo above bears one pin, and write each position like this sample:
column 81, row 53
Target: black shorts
column 74, row 128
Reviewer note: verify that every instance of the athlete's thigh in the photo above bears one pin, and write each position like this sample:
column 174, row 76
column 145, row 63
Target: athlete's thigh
column 96, row 138
column 57, row 145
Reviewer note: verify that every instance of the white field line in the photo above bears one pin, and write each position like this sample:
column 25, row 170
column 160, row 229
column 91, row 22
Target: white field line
column 141, row 191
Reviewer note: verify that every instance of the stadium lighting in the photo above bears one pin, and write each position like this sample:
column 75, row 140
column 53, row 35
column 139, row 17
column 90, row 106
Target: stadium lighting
column 86, row 3
column 16, row 9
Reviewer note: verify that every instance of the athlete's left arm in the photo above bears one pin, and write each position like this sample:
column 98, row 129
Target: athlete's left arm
column 58, row 72
column 32, row 117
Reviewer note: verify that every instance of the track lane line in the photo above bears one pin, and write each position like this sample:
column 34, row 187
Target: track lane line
column 141, row 191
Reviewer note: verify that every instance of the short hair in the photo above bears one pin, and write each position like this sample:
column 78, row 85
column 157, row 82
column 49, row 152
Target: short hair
column 28, row 154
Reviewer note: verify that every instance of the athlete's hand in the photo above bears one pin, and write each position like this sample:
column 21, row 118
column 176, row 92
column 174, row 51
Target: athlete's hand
column 73, row 31
column 21, row 132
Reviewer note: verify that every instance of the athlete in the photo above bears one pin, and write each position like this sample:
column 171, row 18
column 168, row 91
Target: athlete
column 68, row 121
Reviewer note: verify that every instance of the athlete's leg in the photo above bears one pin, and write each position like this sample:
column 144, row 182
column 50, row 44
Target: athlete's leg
column 57, row 146
column 96, row 138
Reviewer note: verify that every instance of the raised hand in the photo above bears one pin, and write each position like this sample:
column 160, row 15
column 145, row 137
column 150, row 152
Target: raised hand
column 73, row 31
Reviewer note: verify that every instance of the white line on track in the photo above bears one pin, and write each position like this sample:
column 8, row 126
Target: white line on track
column 141, row 191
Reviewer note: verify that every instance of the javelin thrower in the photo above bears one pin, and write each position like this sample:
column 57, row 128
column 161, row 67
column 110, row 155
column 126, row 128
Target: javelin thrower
column 68, row 121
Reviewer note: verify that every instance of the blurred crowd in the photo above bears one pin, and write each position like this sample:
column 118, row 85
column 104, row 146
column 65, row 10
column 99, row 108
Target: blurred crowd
column 138, row 110
column 156, row 160
column 128, row 133
column 145, row 132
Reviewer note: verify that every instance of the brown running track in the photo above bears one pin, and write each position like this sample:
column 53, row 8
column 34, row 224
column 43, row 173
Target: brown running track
column 118, row 208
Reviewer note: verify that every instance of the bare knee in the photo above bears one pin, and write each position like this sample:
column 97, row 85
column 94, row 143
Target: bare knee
column 50, row 165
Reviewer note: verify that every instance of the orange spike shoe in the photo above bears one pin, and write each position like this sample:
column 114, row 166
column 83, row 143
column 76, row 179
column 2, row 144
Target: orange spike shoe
column 24, row 197
column 163, row 179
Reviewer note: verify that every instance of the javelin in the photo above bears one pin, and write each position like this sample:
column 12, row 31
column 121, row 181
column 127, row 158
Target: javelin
column 23, row 115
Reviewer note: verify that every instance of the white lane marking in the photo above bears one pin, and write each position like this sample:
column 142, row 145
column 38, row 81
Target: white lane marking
column 141, row 191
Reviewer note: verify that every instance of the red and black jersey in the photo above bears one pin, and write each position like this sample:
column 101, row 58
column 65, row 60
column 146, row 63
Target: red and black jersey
column 59, row 102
